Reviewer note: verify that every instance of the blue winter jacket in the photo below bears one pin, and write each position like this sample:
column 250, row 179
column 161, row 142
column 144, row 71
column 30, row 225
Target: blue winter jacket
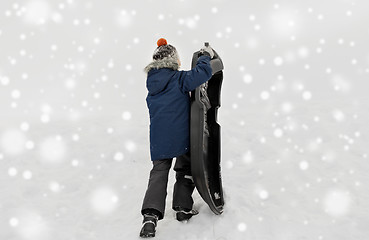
column 168, row 101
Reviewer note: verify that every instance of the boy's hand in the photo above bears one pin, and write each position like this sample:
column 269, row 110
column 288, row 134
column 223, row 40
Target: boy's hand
column 207, row 50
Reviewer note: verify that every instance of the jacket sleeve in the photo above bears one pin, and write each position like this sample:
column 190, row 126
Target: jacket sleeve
column 190, row 80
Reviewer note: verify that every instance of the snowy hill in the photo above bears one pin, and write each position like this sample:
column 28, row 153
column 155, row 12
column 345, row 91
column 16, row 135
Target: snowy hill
column 74, row 153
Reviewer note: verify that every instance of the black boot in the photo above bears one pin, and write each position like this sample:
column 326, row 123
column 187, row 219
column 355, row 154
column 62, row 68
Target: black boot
column 148, row 225
column 183, row 214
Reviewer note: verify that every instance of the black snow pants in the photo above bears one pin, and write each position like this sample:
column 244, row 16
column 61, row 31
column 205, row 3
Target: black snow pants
column 157, row 188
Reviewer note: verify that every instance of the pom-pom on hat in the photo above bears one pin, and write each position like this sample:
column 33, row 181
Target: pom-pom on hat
column 164, row 50
column 161, row 42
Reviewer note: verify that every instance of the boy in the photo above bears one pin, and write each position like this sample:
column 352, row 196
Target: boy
column 168, row 101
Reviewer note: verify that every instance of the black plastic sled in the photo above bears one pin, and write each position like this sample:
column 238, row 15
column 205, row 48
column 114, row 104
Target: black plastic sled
column 205, row 136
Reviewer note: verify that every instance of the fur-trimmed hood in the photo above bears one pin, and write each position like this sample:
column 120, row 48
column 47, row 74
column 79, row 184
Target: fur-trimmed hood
column 167, row 62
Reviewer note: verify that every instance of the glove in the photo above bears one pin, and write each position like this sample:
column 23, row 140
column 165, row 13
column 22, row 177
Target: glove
column 207, row 51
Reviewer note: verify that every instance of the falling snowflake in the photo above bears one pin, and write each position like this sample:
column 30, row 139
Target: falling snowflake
column 53, row 150
column 13, row 141
column 104, row 200
column 337, row 202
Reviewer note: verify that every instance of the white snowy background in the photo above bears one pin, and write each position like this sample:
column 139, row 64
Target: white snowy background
column 74, row 152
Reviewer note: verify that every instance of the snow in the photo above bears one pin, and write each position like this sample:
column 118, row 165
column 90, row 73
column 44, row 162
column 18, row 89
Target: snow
column 13, row 141
column 74, row 151
column 52, row 150
column 247, row 78
column 27, row 175
column 12, row 172
column 337, row 202
column 118, row 156
column 104, row 200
